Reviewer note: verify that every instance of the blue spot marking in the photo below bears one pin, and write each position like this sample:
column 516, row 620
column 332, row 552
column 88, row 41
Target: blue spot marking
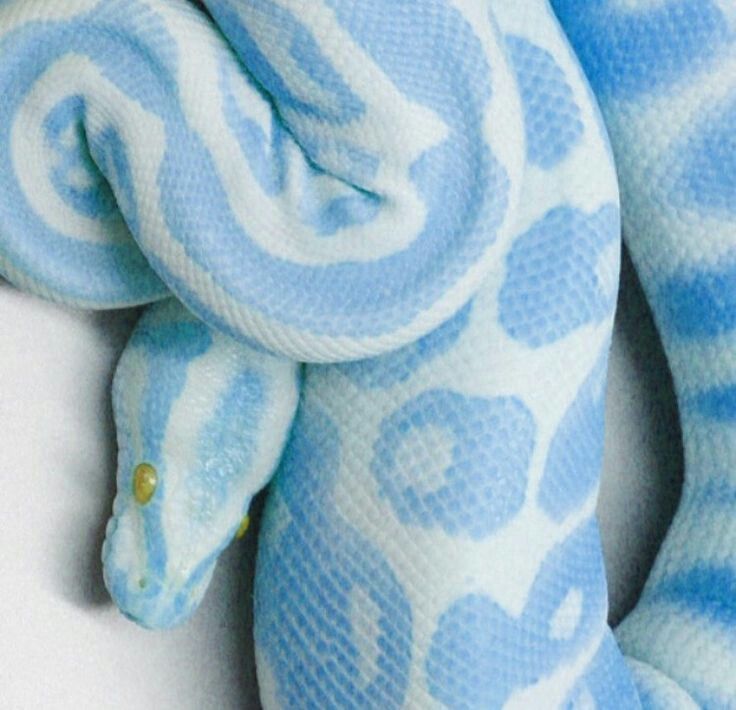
column 485, row 483
column 396, row 367
column 576, row 452
column 699, row 301
column 551, row 116
column 479, row 654
column 309, row 569
column 626, row 52
column 551, row 286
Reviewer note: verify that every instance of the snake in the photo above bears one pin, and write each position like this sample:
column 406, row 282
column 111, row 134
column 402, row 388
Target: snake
column 376, row 245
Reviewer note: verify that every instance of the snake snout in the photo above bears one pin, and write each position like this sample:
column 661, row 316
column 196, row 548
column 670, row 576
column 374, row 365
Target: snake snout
column 140, row 585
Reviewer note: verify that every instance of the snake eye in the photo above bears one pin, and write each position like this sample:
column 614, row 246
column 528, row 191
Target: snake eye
column 244, row 525
column 145, row 479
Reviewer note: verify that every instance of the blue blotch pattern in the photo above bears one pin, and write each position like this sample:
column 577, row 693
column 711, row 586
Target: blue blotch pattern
column 551, row 116
column 707, row 591
column 630, row 51
column 551, row 286
column 484, row 485
column 467, row 669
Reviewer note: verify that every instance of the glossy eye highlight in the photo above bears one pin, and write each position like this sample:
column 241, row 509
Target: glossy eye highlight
column 145, row 479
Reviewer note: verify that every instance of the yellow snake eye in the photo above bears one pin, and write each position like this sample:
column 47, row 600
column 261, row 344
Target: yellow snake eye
column 244, row 525
column 145, row 479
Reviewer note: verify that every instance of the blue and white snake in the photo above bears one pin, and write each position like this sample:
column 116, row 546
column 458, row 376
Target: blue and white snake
column 380, row 244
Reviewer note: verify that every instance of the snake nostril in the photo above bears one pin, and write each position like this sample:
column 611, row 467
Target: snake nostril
column 142, row 582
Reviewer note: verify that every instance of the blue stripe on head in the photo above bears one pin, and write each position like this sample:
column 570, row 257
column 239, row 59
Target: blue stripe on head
column 169, row 347
column 606, row 683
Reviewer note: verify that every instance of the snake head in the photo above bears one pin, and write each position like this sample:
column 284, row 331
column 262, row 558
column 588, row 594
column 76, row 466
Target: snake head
column 201, row 422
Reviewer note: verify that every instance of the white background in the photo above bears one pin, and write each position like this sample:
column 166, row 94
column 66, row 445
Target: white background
column 63, row 645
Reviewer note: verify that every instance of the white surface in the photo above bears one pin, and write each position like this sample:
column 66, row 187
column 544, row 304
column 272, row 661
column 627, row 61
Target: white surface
column 63, row 645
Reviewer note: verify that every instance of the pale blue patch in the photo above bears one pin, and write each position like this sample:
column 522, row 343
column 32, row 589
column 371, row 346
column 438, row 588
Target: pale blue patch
column 552, row 286
column 485, row 483
column 700, row 301
column 479, row 654
column 576, row 453
column 551, row 116
column 308, row 571
column 398, row 366
column 626, row 52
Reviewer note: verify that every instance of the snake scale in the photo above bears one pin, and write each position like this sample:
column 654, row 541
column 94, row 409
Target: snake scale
column 378, row 241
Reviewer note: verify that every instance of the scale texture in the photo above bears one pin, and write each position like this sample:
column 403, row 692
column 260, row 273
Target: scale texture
column 378, row 246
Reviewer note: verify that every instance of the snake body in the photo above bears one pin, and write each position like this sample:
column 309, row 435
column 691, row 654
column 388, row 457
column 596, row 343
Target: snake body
column 391, row 234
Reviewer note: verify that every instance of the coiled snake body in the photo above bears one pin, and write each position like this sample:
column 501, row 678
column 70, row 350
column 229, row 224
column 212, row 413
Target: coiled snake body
column 392, row 233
